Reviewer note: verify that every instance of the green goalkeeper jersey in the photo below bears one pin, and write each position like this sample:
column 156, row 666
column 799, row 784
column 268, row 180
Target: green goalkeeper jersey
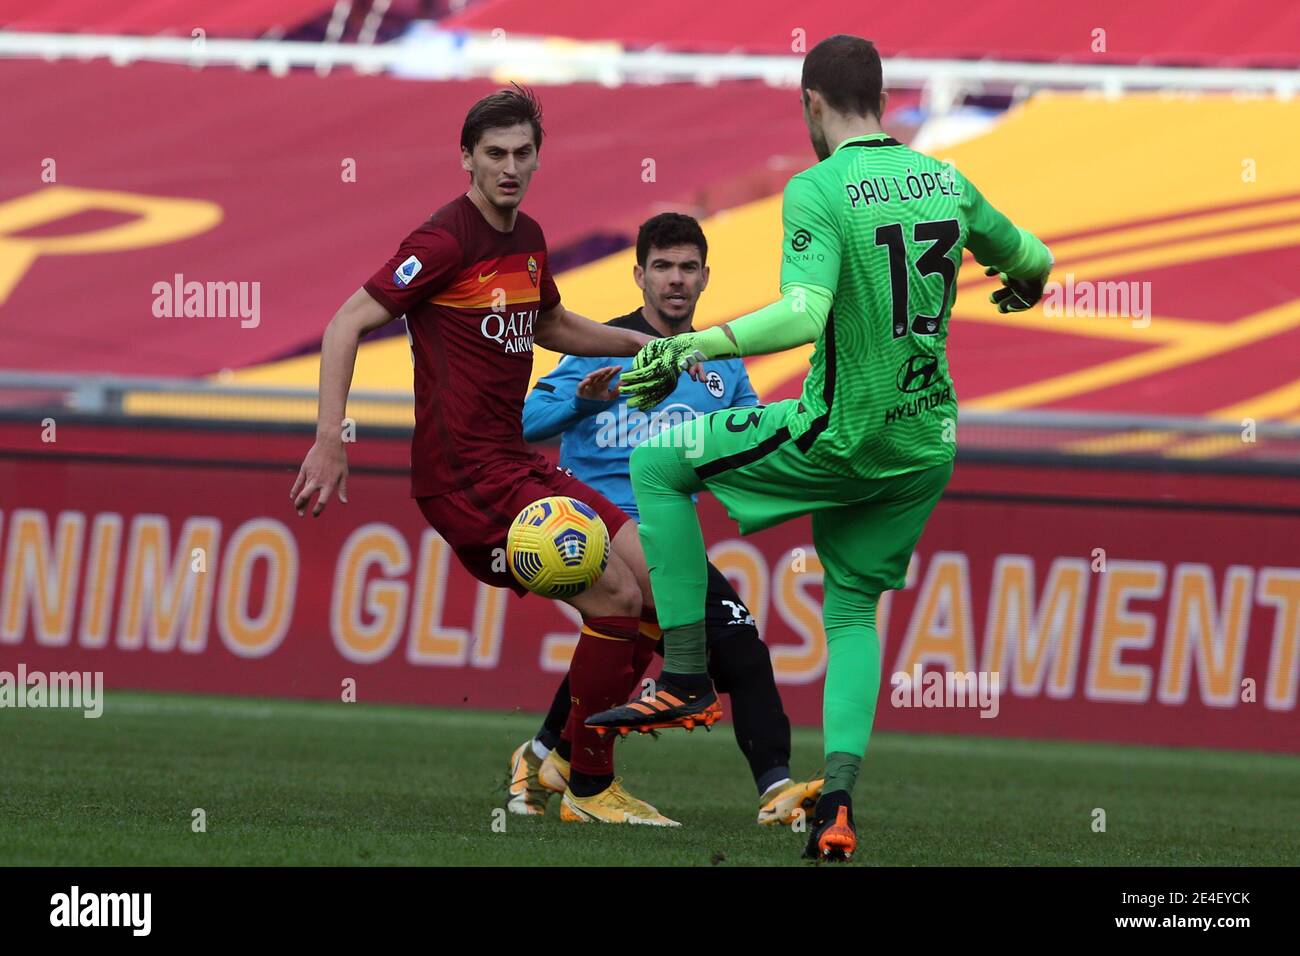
column 882, row 228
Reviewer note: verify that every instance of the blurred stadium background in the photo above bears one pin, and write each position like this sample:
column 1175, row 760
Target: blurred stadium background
column 1119, row 541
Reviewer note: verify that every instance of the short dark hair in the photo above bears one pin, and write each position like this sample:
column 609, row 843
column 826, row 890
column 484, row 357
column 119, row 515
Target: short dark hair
column 670, row 229
column 846, row 71
column 501, row 109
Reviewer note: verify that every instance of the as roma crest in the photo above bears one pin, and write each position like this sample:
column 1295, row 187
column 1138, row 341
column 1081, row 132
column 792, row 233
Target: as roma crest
column 532, row 269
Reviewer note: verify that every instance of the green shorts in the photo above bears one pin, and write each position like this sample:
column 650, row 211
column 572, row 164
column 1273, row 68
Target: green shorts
column 864, row 529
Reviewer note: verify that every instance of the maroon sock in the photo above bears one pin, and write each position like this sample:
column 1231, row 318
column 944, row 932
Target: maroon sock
column 600, row 675
column 642, row 655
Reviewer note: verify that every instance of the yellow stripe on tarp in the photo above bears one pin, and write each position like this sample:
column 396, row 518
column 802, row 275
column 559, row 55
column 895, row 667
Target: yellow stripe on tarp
column 1060, row 164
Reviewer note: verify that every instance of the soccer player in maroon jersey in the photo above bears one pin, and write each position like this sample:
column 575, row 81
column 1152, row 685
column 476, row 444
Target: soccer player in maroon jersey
column 475, row 287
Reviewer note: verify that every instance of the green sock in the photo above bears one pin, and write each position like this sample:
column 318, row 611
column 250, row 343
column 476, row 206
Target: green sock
column 684, row 649
column 664, row 481
column 852, row 683
column 841, row 772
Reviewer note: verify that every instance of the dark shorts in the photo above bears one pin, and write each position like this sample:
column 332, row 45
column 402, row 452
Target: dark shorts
column 723, row 607
column 724, row 611
column 476, row 519
column 731, row 635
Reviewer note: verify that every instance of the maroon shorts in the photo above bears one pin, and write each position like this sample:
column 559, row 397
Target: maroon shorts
column 476, row 519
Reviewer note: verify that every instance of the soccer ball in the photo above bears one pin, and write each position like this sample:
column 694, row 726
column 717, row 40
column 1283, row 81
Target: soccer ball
column 557, row 547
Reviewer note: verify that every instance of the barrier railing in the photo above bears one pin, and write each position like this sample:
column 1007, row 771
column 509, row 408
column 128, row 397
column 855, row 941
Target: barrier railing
column 441, row 54
column 1090, row 434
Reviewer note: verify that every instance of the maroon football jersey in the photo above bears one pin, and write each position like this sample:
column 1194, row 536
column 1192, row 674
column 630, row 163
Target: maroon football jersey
column 471, row 296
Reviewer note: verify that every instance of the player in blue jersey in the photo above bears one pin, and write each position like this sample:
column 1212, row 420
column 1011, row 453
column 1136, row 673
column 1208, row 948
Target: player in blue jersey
column 579, row 401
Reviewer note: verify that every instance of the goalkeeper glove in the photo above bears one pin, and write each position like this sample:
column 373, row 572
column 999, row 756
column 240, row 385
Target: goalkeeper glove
column 1016, row 295
column 654, row 371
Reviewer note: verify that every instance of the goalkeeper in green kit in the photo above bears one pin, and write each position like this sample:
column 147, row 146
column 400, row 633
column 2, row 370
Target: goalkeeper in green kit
column 873, row 240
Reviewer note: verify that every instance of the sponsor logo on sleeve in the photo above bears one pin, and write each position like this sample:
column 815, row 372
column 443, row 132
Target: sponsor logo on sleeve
column 799, row 254
column 407, row 271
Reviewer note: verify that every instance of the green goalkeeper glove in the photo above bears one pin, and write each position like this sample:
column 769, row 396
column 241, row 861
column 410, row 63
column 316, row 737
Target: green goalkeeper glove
column 1016, row 295
column 1031, row 258
column 655, row 369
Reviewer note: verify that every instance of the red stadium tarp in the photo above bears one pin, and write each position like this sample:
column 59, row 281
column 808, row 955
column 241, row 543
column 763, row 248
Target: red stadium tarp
column 244, row 17
column 170, row 559
column 1157, row 31
column 306, row 185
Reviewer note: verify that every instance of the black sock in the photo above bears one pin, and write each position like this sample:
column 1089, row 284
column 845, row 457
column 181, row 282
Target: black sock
column 741, row 666
column 693, row 685
column 829, row 802
column 564, row 749
column 589, row 784
column 824, row 816
column 556, row 717
column 765, row 780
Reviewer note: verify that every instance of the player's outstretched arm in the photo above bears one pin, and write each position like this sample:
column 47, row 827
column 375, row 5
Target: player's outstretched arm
column 798, row 318
column 808, row 285
column 811, row 246
column 325, row 469
column 1015, row 254
column 578, row 387
column 744, row 395
column 563, row 331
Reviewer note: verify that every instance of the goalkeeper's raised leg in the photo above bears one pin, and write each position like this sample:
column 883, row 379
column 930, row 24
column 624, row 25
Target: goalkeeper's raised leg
column 873, row 242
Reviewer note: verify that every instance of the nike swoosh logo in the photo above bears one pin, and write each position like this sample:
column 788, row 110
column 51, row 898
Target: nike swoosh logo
column 483, row 278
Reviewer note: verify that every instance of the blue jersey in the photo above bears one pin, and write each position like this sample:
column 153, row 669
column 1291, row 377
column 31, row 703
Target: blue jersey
column 598, row 437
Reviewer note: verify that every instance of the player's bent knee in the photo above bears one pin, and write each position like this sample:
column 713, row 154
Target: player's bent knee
column 627, row 543
column 641, row 464
column 615, row 593
column 842, row 609
column 656, row 467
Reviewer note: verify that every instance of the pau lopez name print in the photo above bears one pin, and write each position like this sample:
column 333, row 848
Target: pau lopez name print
column 133, row 910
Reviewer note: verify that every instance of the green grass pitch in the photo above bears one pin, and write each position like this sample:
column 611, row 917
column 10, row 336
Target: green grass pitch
column 317, row 783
